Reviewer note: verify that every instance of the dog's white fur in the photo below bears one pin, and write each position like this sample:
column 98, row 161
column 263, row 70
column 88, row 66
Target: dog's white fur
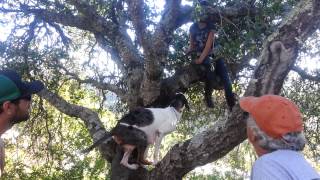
column 165, row 122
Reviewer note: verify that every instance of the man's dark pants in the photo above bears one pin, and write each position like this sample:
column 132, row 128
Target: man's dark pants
column 209, row 78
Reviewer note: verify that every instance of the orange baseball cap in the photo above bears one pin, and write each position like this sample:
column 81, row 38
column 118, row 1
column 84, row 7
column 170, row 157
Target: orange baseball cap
column 275, row 115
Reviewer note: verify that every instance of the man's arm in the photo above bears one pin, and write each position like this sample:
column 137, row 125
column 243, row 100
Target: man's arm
column 207, row 49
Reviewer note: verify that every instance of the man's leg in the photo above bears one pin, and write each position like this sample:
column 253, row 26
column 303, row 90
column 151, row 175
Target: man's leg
column 222, row 72
column 208, row 89
column 207, row 76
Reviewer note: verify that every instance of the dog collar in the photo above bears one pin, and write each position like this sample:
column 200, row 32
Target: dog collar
column 125, row 124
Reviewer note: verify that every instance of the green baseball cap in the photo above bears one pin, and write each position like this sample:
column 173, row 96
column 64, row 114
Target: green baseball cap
column 12, row 87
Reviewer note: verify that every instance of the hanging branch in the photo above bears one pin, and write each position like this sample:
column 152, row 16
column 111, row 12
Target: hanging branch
column 305, row 75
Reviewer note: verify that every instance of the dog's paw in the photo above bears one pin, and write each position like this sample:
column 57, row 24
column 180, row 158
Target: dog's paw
column 154, row 163
column 145, row 162
column 133, row 166
column 130, row 166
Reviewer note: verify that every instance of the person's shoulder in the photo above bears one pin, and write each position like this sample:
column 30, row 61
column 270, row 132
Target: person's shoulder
column 194, row 24
column 266, row 168
column 266, row 159
column 193, row 27
column 282, row 164
column 285, row 153
column 262, row 160
column 276, row 159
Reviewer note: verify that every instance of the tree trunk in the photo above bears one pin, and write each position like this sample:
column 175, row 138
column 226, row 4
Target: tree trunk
column 279, row 53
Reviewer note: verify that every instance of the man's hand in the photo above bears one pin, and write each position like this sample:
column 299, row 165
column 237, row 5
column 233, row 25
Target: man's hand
column 189, row 51
column 198, row 61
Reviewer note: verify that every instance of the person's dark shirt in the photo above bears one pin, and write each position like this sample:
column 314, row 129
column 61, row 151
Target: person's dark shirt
column 200, row 36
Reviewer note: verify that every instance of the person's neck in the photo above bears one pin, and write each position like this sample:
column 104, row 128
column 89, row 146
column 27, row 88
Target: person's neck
column 3, row 123
column 259, row 150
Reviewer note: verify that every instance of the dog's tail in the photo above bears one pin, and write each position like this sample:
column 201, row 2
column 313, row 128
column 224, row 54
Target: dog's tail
column 106, row 137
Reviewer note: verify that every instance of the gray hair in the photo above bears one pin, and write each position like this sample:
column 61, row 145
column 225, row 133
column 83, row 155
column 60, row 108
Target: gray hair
column 293, row 140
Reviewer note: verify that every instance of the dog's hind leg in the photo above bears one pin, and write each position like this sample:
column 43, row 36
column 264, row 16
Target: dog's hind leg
column 159, row 137
column 127, row 152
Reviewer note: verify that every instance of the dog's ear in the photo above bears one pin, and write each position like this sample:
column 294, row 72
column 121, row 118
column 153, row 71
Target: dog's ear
column 183, row 99
column 186, row 104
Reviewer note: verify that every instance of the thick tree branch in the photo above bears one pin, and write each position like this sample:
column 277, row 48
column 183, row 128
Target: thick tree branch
column 91, row 21
column 136, row 11
column 305, row 75
column 104, row 44
column 107, row 31
column 239, row 10
column 118, row 36
column 100, row 85
column 173, row 16
column 115, row 33
column 5, row 10
column 65, row 18
column 89, row 117
column 64, row 38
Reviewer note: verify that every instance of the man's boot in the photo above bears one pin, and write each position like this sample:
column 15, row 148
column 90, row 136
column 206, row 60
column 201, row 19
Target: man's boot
column 208, row 100
column 231, row 101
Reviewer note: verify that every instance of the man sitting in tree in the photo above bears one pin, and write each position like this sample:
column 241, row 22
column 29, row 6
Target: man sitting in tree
column 202, row 36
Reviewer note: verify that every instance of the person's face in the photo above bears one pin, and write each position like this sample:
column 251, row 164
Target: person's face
column 22, row 112
column 250, row 134
column 253, row 140
column 14, row 112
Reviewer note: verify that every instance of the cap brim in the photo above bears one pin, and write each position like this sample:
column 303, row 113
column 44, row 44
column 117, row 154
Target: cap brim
column 246, row 103
column 34, row 87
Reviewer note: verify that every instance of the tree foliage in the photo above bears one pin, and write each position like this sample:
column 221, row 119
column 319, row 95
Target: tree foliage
column 100, row 58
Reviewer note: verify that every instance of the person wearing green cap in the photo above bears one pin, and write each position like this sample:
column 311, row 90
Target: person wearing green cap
column 15, row 101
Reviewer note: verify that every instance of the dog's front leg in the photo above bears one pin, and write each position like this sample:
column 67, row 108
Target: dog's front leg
column 159, row 137
column 146, row 152
column 143, row 156
column 127, row 152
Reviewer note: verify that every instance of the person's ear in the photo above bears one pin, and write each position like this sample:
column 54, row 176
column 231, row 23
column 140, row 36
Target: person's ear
column 251, row 135
column 7, row 107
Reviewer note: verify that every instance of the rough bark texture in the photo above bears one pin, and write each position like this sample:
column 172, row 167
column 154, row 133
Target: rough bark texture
column 277, row 58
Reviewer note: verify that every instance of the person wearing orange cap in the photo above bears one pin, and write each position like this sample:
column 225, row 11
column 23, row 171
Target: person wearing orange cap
column 275, row 129
column 15, row 102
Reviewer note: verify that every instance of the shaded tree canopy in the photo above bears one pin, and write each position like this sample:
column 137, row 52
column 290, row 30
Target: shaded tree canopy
column 134, row 53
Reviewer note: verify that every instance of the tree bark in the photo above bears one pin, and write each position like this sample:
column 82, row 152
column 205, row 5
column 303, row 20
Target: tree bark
column 279, row 53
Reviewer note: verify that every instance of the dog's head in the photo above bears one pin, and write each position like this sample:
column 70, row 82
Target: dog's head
column 179, row 102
